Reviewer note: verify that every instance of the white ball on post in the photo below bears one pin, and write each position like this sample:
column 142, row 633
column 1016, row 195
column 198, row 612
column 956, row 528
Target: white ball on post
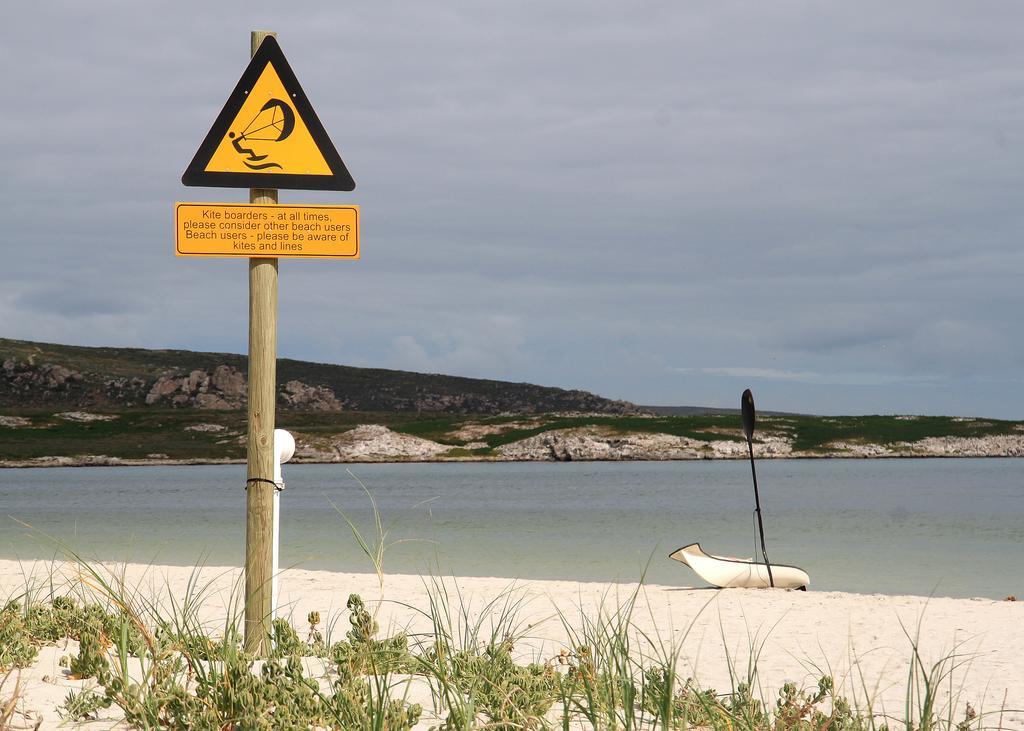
column 284, row 450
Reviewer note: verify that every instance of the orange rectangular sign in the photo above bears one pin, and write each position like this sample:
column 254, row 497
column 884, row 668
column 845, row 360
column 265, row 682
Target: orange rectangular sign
column 255, row 230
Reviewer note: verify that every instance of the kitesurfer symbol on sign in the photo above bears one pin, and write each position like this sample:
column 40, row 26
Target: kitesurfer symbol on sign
column 267, row 135
column 273, row 123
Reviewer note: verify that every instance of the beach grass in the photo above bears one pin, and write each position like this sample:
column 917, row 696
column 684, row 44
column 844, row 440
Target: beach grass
column 156, row 664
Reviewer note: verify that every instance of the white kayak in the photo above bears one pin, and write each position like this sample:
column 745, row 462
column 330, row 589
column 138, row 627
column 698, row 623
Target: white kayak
column 728, row 572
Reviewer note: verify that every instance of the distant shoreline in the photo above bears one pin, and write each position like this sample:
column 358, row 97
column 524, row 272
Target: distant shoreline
column 63, row 462
column 142, row 438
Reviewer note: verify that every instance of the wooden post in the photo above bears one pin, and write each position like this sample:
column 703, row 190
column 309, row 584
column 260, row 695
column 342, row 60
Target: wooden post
column 259, row 503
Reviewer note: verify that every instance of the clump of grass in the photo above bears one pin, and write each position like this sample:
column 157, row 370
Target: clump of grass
column 190, row 680
column 375, row 548
column 602, row 683
column 927, row 707
column 84, row 705
column 467, row 660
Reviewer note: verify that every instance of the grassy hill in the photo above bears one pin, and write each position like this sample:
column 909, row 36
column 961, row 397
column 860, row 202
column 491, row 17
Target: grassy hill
column 44, row 374
column 68, row 402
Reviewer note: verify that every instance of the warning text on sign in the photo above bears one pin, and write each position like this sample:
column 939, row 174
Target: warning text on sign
column 253, row 230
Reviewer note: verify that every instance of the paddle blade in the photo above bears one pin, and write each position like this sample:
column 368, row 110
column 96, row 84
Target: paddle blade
column 747, row 405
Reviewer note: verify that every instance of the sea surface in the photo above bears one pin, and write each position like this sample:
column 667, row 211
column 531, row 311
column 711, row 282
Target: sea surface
column 948, row 527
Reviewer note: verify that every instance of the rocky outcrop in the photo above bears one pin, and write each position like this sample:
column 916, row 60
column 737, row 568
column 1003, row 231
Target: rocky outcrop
column 593, row 444
column 28, row 384
column 303, row 397
column 225, row 388
column 366, row 443
column 45, row 383
column 766, row 446
column 1001, row 445
column 84, row 417
column 579, row 445
column 376, row 443
column 582, row 445
column 35, row 375
column 993, row 445
column 124, row 391
column 15, row 422
column 206, row 428
column 102, row 460
column 859, row 449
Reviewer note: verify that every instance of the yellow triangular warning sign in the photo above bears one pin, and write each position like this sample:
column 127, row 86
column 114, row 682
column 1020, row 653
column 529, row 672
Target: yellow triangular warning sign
column 268, row 135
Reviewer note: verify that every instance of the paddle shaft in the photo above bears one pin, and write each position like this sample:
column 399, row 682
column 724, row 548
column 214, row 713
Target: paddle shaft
column 757, row 506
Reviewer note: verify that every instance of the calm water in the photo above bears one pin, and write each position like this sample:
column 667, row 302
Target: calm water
column 949, row 527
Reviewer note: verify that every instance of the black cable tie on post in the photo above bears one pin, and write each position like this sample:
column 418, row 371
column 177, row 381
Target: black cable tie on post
column 277, row 485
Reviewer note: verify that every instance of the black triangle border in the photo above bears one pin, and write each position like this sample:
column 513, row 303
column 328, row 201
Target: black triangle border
column 195, row 174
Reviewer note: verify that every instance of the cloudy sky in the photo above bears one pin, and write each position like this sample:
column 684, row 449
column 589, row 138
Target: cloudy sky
column 665, row 202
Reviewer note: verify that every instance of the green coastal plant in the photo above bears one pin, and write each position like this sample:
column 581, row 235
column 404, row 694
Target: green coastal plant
column 285, row 641
column 91, row 660
column 510, row 696
column 460, row 633
column 610, row 679
column 362, row 653
column 17, row 649
column 225, row 689
column 83, row 705
column 602, row 682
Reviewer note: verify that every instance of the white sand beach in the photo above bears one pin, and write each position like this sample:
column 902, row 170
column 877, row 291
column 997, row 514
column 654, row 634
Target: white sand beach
column 861, row 640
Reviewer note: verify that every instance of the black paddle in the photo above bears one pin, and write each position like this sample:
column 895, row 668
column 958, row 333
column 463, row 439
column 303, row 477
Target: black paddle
column 747, row 406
